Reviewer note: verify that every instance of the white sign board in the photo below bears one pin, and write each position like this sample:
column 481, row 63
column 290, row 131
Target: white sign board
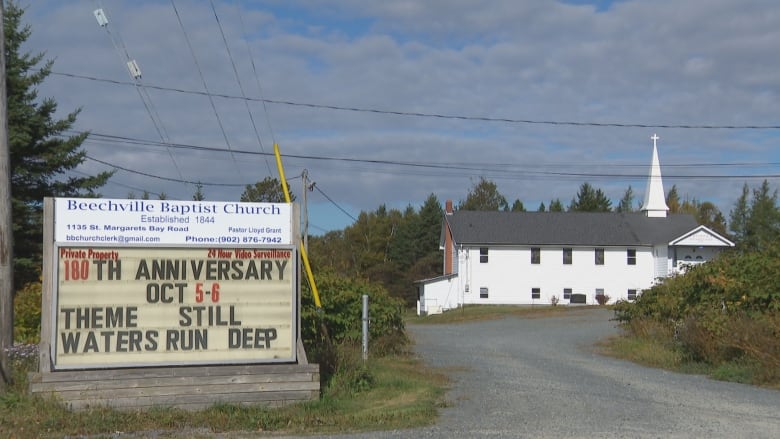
column 101, row 221
column 158, row 282
column 131, row 306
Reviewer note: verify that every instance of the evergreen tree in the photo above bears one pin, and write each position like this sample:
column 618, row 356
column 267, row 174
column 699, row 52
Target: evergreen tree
column 484, row 195
column 430, row 215
column 267, row 191
column 627, row 202
column 198, row 195
column 556, row 205
column 404, row 245
column 590, row 199
column 518, row 206
column 541, row 208
column 673, row 200
column 738, row 217
column 40, row 153
column 763, row 225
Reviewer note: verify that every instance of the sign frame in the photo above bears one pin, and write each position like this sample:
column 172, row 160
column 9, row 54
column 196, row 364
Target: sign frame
column 288, row 237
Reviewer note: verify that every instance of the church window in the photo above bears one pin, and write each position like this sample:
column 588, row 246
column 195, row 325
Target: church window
column 631, row 256
column 536, row 293
column 536, row 255
column 483, row 255
column 599, row 256
column 483, row 293
column 567, row 294
column 567, row 256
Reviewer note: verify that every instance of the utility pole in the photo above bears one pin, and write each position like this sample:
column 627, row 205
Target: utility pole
column 305, row 178
column 6, row 234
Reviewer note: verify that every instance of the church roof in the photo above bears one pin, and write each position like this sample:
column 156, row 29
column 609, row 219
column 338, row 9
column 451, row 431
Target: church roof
column 566, row 228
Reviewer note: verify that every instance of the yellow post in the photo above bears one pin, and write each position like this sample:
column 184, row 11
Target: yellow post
column 304, row 256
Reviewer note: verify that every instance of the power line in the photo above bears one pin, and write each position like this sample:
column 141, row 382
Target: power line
column 475, row 167
column 438, row 115
column 334, row 203
column 135, row 73
column 240, row 85
column 528, row 174
column 159, row 177
column 257, row 76
column 116, row 183
column 205, row 85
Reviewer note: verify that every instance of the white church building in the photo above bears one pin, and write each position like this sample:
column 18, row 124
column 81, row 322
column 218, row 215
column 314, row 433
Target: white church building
column 526, row 258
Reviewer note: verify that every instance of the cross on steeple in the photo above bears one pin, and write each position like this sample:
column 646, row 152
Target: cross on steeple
column 655, row 138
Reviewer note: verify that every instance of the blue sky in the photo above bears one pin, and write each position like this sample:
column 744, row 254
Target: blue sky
column 356, row 92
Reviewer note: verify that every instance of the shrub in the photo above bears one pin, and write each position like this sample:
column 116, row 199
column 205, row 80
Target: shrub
column 723, row 313
column 27, row 313
column 351, row 374
column 602, row 299
column 340, row 320
column 756, row 339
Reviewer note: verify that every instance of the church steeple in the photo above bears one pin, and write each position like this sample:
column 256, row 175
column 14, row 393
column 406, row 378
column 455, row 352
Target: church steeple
column 654, row 204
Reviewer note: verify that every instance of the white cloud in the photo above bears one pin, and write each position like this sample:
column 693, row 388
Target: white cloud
column 647, row 62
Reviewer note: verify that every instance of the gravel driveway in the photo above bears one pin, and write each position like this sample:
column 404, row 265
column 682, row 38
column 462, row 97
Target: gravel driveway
column 539, row 378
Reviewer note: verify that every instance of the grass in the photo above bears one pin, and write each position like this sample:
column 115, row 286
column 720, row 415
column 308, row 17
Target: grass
column 643, row 350
column 655, row 352
column 402, row 394
column 470, row 313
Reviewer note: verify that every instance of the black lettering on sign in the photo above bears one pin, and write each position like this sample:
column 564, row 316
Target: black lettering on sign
column 162, row 269
column 113, row 341
column 100, row 318
column 251, row 271
column 151, row 340
column 112, row 269
column 207, row 315
column 197, row 268
column 186, row 339
column 265, row 269
column 166, row 292
column 91, row 344
column 251, row 338
column 70, row 341
column 281, row 265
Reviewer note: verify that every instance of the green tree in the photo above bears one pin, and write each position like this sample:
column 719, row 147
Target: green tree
column 269, row 190
column 430, row 215
column 556, row 205
column 421, row 232
column 404, row 245
column 763, row 225
column 517, row 206
column 541, row 207
column 673, row 200
column 627, row 202
column 738, row 216
column 198, row 195
column 484, row 195
column 40, row 153
column 590, row 199
column 707, row 214
column 370, row 238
